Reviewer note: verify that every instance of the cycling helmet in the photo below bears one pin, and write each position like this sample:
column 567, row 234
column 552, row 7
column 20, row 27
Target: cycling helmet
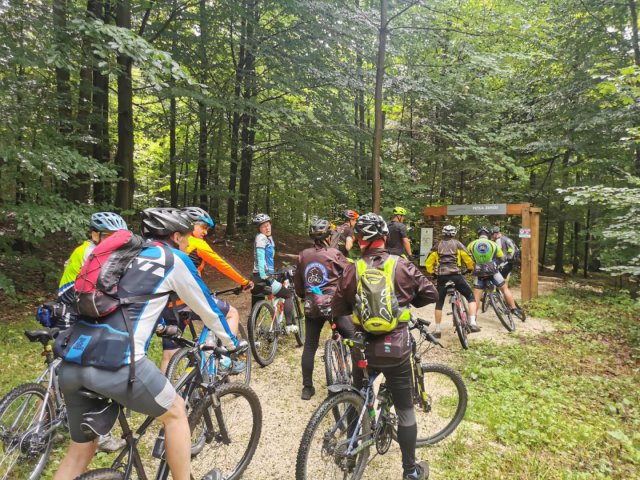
column 261, row 218
column 107, row 222
column 495, row 229
column 400, row 211
column 483, row 231
column 162, row 222
column 320, row 229
column 449, row 231
column 350, row 215
column 371, row 227
column 198, row 215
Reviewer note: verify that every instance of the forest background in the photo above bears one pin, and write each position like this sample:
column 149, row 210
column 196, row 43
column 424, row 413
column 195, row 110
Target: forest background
column 306, row 107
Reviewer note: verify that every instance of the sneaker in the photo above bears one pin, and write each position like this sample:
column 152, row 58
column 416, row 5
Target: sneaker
column 307, row 393
column 110, row 444
column 437, row 334
column 234, row 368
column 474, row 328
column 291, row 329
column 420, row 472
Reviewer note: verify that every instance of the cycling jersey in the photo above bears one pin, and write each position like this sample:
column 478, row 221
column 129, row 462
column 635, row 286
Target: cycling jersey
column 448, row 257
column 264, row 250
column 484, row 250
column 72, row 269
column 200, row 253
column 397, row 232
column 318, row 270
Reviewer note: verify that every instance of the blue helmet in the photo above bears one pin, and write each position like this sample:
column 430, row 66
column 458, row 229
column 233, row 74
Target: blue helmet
column 198, row 215
column 107, row 222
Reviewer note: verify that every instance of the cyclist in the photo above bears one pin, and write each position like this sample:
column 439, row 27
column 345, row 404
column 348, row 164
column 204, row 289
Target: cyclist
column 317, row 274
column 264, row 270
column 200, row 254
column 398, row 242
column 101, row 225
column 446, row 261
column 159, row 268
column 510, row 250
column 411, row 288
column 342, row 236
column 485, row 255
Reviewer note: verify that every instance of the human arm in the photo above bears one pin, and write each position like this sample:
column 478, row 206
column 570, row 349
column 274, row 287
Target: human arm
column 432, row 260
column 206, row 253
column 298, row 279
column 344, row 298
column 465, row 256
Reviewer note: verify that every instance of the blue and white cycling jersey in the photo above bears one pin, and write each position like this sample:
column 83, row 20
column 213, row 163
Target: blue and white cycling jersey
column 264, row 253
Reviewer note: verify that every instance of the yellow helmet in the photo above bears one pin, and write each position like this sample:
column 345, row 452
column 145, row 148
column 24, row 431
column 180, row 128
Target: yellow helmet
column 400, row 211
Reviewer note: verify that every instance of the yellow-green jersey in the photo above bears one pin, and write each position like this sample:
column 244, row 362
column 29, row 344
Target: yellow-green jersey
column 484, row 253
column 72, row 268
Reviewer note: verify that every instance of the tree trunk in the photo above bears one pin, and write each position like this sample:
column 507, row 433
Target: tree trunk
column 63, row 89
column 636, row 60
column 575, row 260
column 587, row 240
column 124, row 153
column 559, row 258
column 173, row 185
column 203, row 158
column 378, row 125
column 215, row 201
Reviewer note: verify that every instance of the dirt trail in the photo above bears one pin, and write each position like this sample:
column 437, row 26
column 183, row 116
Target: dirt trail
column 285, row 415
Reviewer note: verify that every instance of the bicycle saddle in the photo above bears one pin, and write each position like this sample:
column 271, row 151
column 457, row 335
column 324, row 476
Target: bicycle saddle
column 100, row 421
column 42, row 336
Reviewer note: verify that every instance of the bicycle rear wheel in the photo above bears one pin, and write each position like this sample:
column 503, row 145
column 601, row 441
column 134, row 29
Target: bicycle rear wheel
column 263, row 333
column 231, row 431
column 440, row 403
column 461, row 326
column 323, row 449
column 299, row 313
column 336, row 365
column 502, row 311
column 102, row 474
column 25, row 432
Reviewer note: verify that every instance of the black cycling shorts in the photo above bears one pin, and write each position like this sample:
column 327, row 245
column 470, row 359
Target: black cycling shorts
column 461, row 285
column 506, row 269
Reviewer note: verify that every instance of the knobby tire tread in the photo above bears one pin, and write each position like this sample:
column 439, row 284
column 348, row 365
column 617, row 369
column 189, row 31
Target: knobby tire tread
column 502, row 311
column 252, row 334
column 102, row 474
column 460, row 328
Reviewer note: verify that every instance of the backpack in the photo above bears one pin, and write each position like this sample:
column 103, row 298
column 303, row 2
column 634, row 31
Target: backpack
column 376, row 308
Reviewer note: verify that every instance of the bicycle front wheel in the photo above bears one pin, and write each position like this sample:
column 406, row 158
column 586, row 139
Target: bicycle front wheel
column 102, row 474
column 323, row 452
column 461, row 326
column 440, row 403
column 26, row 416
column 231, row 427
column 502, row 311
column 263, row 334
column 336, row 366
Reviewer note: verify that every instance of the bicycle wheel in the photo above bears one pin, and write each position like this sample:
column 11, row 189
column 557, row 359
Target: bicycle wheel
column 299, row 313
column 503, row 312
column 461, row 327
column 323, row 449
column 263, row 334
column 102, row 474
column 25, row 432
column 231, row 430
column 522, row 316
column 445, row 403
column 335, row 364
column 245, row 376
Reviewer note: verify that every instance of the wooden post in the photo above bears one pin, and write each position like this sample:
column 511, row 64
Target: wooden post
column 525, row 265
column 534, row 219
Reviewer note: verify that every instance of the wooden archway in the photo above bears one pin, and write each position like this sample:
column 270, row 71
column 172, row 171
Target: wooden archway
column 529, row 234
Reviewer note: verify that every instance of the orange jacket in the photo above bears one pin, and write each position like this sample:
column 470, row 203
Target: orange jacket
column 200, row 253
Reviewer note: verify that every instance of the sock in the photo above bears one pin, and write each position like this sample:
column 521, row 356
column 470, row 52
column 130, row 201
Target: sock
column 437, row 327
column 472, row 319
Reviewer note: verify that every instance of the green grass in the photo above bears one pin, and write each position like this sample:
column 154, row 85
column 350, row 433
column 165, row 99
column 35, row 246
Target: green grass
column 560, row 406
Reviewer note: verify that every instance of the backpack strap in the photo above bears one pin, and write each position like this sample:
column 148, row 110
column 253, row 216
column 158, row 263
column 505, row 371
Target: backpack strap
column 390, row 266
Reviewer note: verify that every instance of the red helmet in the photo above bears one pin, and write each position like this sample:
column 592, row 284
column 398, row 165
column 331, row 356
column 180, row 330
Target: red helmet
column 350, row 215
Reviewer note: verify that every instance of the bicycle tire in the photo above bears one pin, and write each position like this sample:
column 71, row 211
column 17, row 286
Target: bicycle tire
column 263, row 339
column 461, row 329
column 299, row 313
column 503, row 312
column 522, row 316
column 13, row 439
column 447, row 398
column 245, row 377
column 102, row 474
column 336, row 368
column 228, row 412
column 323, row 422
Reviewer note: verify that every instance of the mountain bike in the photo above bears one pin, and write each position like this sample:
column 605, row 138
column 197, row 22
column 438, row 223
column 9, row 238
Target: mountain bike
column 225, row 420
column 460, row 312
column 337, row 439
column 267, row 321
column 337, row 355
column 30, row 415
column 181, row 361
column 493, row 296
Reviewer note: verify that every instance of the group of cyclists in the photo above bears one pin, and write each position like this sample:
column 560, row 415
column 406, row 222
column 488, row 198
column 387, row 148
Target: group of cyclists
column 165, row 276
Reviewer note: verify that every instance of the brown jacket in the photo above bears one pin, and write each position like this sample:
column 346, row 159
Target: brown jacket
column 319, row 267
column 411, row 286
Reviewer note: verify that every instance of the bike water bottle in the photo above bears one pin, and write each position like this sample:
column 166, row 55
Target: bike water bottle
column 158, row 447
column 210, row 341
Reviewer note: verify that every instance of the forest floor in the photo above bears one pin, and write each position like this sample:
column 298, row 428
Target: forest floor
column 520, row 405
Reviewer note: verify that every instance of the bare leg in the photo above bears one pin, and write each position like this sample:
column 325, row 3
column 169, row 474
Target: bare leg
column 77, row 459
column 177, row 440
column 507, row 296
column 438, row 318
column 477, row 294
column 233, row 319
column 166, row 357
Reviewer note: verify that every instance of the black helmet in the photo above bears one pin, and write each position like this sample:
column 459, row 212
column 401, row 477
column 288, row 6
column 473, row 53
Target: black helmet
column 107, row 222
column 320, row 229
column 261, row 218
column 371, row 226
column 198, row 215
column 161, row 222
column 449, row 231
column 483, row 230
column 495, row 229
